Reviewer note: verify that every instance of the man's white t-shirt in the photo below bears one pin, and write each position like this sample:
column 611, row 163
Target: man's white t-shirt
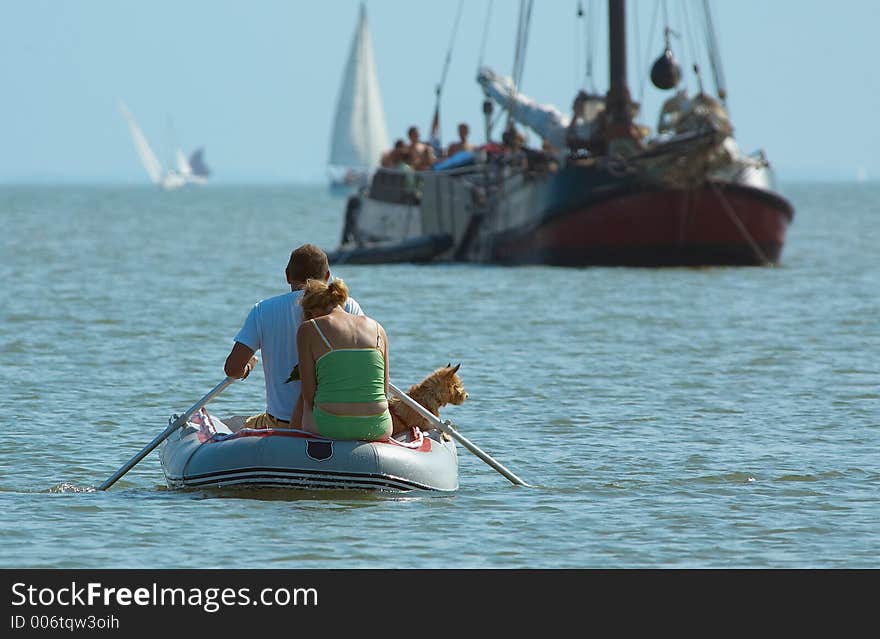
column 271, row 327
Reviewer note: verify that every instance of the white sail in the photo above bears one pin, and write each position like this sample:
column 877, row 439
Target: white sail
column 359, row 133
column 183, row 164
column 148, row 158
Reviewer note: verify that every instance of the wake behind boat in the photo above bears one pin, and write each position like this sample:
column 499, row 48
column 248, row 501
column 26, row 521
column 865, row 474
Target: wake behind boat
column 206, row 453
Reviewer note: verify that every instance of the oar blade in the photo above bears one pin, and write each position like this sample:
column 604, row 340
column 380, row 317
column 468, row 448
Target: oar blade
column 180, row 421
column 447, row 428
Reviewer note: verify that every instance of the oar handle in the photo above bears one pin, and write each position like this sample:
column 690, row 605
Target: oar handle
column 447, row 428
column 180, row 421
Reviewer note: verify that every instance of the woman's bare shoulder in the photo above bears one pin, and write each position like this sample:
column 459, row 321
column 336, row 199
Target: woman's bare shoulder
column 370, row 321
column 304, row 330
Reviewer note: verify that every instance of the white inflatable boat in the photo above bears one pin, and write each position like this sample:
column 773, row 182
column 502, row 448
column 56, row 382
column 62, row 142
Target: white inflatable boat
column 205, row 452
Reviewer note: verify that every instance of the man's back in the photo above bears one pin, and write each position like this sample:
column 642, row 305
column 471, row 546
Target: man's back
column 271, row 327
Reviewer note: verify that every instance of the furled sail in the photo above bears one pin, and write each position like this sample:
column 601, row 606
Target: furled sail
column 359, row 133
column 148, row 158
column 544, row 119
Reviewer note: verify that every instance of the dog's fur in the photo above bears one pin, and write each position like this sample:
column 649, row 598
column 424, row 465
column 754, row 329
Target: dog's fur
column 438, row 389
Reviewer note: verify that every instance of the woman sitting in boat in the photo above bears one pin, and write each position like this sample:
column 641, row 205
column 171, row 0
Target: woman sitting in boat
column 343, row 362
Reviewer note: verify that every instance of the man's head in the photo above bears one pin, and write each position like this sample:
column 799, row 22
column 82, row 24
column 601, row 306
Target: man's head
column 463, row 130
column 413, row 134
column 306, row 262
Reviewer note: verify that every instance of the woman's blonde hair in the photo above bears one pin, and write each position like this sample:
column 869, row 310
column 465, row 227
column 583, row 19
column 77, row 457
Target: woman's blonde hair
column 318, row 296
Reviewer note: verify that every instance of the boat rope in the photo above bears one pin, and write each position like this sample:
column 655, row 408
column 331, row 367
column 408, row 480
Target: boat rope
column 686, row 20
column 649, row 46
column 485, row 36
column 449, row 49
column 435, row 125
column 640, row 55
column 714, row 54
column 585, row 43
column 731, row 213
column 519, row 61
column 579, row 12
column 590, row 28
column 416, row 443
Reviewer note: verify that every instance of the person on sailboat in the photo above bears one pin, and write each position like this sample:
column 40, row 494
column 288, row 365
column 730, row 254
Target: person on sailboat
column 405, row 162
column 391, row 157
column 514, row 145
column 270, row 327
column 586, row 112
column 462, row 144
column 422, row 154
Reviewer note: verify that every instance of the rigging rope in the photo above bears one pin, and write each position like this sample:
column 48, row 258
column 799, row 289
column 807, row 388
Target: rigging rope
column 449, row 50
column 525, row 16
column 690, row 31
column 435, row 125
column 591, row 31
column 649, row 45
column 640, row 56
column 731, row 213
column 485, row 36
column 714, row 54
column 577, row 45
column 586, row 30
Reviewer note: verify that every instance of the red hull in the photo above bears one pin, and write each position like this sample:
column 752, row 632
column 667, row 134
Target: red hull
column 714, row 225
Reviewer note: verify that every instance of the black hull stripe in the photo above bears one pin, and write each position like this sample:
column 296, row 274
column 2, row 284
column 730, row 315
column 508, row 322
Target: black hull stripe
column 300, row 477
column 304, row 483
column 298, row 471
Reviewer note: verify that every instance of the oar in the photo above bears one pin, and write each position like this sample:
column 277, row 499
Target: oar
column 447, row 428
column 180, row 421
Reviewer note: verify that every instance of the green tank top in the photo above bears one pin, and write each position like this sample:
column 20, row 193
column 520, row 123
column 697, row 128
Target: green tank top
column 349, row 375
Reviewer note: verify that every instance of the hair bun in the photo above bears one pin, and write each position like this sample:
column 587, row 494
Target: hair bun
column 338, row 291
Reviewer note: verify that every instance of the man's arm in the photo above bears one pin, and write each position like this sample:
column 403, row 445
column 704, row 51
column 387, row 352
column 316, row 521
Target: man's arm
column 240, row 362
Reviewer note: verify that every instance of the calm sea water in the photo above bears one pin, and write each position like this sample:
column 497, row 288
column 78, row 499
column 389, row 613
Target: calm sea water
column 716, row 417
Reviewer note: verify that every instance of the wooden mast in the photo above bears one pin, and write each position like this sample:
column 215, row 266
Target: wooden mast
column 619, row 125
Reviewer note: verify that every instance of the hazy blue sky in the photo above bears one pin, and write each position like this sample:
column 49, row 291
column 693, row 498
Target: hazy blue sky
column 256, row 82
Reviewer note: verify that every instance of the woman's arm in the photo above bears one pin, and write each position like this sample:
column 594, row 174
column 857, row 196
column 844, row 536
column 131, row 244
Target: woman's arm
column 308, row 383
column 385, row 355
column 297, row 417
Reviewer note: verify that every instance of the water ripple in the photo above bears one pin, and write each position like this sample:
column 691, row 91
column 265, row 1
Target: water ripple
column 667, row 417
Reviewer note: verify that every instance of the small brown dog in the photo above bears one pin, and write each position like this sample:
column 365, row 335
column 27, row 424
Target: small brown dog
column 438, row 389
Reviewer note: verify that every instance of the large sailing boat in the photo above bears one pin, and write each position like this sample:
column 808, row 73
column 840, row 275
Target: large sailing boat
column 602, row 191
column 359, row 132
column 189, row 170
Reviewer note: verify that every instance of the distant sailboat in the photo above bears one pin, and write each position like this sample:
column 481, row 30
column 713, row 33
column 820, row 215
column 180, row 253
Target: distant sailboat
column 194, row 168
column 359, row 132
column 190, row 170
